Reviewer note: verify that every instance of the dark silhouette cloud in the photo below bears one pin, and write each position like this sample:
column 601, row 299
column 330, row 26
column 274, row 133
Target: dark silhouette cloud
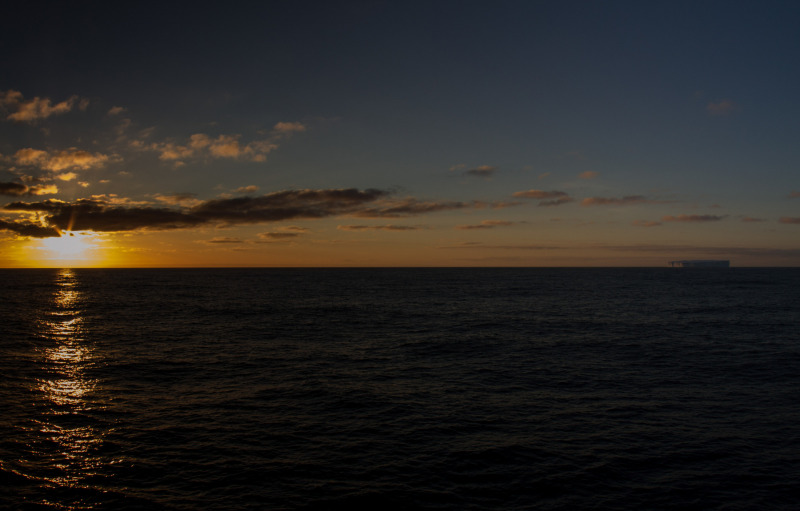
column 101, row 215
column 19, row 189
column 29, row 229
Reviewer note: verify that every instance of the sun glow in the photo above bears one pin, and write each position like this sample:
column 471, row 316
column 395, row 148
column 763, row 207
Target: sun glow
column 71, row 249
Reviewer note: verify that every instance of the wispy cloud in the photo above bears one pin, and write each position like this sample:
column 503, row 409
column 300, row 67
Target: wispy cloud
column 37, row 108
column 750, row 219
column 486, row 224
column 646, row 223
column 614, row 201
column 389, row 227
column 224, row 240
column 56, row 161
column 721, row 107
column 789, row 220
column 484, row 171
column 589, row 174
column 115, row 110
column 692, row 218
column 546, row 198
column 278, row 236
column 247, row 189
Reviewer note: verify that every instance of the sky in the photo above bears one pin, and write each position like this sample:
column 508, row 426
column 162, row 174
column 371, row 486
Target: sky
column 384, row 133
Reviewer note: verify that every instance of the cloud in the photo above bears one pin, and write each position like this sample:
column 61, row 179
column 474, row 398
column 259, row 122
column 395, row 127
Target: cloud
column 101, row 214
column 486, row 224
column 247, row 189
column 554, row 197
column 794, row 195
column 224, row 240
column 228, row 146
column 589, row 174
column 484, row 171
column 411, row 206
column 692, row 218
column 115, row 110
column 613, row 201
column 67, row 176
column 751, row 219
column 287, row 128
column 18, row 189
column 67, row 159
column 36, row 108
column 646, row 223
column 182, row 199
column 722, row 107
column 789, row 220
column 29, row 229
column 278, row 236
column 377, row 227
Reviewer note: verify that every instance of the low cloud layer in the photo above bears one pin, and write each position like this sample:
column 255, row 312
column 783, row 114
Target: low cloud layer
column 102, row 215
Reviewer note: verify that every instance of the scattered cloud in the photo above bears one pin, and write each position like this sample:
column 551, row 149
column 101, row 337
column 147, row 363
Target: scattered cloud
column 287, row 128
column 224, row 240
column 278, row 236
column 486, row 224
column 410, row 206
column 789, row 220
column 546, row 198
column 67, row 176
column 37, row 108
column 692, row 218
column 116, row 110
column 229, row 146
column 613, row 201
column 589, row 174
column 247, row 189
column 19, row 189
column 67, row 159
column 646, row 223
column 722, row 107
column 179, row 199
column 751, row 219
column 484, row 171
column 378, row 227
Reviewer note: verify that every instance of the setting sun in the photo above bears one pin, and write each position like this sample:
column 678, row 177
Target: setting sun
column 70, row 249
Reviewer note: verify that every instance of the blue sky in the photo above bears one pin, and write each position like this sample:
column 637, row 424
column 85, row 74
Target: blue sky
column 512, row 133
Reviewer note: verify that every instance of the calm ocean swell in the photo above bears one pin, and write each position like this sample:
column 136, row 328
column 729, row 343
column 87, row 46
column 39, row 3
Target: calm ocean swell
column 400, row 389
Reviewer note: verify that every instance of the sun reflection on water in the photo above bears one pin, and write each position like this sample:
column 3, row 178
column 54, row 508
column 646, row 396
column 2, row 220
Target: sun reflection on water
column 68, row 428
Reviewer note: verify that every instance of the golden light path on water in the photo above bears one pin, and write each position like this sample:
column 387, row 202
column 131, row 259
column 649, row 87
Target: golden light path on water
column 69, row 434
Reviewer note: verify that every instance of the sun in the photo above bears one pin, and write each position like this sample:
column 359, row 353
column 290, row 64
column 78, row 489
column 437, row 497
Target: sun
column 76, row 248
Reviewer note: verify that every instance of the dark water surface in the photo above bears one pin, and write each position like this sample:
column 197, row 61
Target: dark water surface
column 400, row 389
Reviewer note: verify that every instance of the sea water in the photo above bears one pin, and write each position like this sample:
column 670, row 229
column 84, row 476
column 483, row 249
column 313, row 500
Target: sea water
column 400, row 389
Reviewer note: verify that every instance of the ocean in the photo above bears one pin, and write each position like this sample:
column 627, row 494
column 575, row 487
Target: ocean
column 439, row 389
